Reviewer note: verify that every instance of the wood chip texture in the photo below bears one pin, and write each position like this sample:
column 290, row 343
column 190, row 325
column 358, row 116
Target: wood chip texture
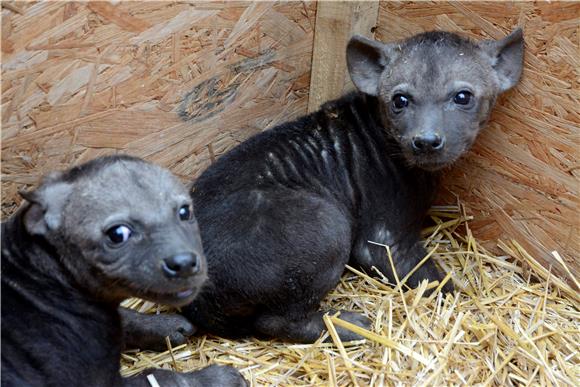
column 178, row 83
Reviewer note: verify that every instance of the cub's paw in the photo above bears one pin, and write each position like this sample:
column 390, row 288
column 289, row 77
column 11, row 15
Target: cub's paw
column 448, row 288
column 148, row 331
column 174, row 326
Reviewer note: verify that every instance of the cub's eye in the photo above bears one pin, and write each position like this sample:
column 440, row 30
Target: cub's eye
column 185, row 212
column 463, row 97
column 119, row 234
column 400, row 101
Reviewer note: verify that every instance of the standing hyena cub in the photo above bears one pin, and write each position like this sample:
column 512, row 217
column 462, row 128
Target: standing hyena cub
column 284, row 212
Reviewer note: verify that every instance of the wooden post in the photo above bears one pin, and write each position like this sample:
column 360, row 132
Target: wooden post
column 336, row 22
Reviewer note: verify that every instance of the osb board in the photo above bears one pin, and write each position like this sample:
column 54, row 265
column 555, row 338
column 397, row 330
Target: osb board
column 176, row 83
column 521, row 180
column 336, row 22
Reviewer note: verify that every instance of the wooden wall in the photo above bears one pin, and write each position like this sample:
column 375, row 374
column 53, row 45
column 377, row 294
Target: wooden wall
column 522, row 178
column 180, row 83
column 176, row 83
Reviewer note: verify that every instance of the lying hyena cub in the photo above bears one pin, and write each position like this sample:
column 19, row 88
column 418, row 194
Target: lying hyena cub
column 284, row 212
column 88, row 238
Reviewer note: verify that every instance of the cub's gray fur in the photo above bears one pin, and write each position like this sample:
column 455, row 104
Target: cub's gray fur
column 430, row 70
column 89, row 237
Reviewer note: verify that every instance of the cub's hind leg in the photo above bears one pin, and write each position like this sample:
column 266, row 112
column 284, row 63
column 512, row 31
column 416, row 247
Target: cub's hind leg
column 306, row 327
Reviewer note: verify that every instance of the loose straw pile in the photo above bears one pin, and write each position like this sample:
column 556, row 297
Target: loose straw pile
column 510, row 323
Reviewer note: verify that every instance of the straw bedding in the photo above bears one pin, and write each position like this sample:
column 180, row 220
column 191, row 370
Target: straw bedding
column 512, row 323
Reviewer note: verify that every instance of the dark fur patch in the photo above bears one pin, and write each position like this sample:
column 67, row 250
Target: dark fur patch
column 281, row 214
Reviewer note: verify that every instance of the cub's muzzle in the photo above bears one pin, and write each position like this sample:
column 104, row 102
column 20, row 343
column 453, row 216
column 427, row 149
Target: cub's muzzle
column 182, row 265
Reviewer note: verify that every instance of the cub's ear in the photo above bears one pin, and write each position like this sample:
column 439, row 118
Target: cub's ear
column 507, row 58
column 47, row 203
column 366, row 60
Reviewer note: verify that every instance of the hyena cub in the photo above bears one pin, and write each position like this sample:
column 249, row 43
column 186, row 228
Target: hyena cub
column 284, row 212
column 87, row 238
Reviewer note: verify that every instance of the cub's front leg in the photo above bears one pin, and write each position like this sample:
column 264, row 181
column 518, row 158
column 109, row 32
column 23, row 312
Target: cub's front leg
column 149, row 331
column 406, row 251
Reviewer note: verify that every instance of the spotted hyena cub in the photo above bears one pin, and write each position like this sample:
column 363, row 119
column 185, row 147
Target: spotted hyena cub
column 85, row 239
column 284, row 212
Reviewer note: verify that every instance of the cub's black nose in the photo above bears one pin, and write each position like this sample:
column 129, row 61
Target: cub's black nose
column 428, row 142
column 181, row 265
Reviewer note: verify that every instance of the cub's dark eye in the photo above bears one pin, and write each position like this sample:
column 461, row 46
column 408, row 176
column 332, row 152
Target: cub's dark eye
column 463, row 97
column 119, row 234
column 400, row 101
column 185, row 212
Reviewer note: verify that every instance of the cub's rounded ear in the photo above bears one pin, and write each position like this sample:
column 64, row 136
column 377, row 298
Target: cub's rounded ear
column 29, row 196
column 366, row 60
column 47, row 203
column 507, row 58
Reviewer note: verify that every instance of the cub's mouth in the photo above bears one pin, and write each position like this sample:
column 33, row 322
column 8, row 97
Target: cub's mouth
column 433, row 163
column 177, row 298
column 433, row 166
column 175, row 294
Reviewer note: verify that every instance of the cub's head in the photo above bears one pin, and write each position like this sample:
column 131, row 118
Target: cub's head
column 436, row 89
column 121, row 227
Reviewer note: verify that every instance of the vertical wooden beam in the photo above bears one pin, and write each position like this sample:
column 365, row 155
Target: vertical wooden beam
column 336, row 22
